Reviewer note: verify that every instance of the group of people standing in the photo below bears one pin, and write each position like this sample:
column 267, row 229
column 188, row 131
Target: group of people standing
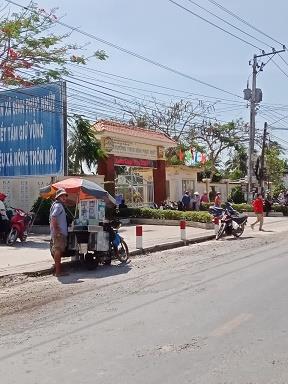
column 193, row 202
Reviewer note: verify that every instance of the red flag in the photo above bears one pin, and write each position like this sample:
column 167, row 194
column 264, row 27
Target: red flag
column 203, row 158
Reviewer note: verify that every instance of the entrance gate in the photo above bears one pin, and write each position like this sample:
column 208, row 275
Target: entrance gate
column 134, row 189
column 131, row 146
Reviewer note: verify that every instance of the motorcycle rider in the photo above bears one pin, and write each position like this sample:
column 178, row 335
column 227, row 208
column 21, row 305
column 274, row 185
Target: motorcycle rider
column 218, row 200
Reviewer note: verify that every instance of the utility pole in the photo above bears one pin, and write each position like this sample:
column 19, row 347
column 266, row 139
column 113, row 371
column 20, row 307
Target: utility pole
column 252, row 127
column 262, row 163
column 255, row 97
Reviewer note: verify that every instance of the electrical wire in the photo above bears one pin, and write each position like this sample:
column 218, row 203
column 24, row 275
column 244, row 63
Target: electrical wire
column 141, row 57
column 244, row 21
column 280, row 69
column 228, row 23
column 213, row 24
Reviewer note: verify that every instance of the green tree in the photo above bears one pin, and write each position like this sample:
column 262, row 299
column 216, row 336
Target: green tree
column 236, row 166
column 83, row 146
column 30, row 53
column 217, row 139
column 275, row 165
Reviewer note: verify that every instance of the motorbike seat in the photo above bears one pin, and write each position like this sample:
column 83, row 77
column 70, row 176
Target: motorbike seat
column 216, row 211
column 239, row 219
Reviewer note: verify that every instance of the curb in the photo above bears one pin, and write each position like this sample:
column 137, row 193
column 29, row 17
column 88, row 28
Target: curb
column 166, row 246
column 155, row 248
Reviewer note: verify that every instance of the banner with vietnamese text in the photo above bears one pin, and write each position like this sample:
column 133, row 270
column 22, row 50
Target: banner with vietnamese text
column 32, row 131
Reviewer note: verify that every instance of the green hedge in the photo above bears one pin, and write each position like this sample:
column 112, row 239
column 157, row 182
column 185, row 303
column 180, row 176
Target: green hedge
column 202, row 216
column 239, row 207
column 148, row 213
column 280, row 208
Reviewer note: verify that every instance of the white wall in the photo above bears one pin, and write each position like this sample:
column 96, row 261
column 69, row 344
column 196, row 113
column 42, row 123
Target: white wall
column 22, row 193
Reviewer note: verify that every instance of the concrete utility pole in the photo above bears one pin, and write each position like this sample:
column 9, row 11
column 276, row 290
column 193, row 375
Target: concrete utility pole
column 262, row 163
column 252, row 127
column 255, row 97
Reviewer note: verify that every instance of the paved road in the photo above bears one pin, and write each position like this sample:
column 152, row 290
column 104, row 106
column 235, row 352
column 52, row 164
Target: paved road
column 210, row 313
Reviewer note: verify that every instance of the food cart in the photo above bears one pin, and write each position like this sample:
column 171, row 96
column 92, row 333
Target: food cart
column 89, row 235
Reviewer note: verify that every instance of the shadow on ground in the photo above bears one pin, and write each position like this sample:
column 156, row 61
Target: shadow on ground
column 78, row 274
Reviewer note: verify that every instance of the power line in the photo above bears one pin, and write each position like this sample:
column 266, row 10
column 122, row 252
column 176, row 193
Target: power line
column 228, row 23
column 143, row 58
column 153, row 84
column 211, row 23
column 280, row 69
column 243, row 21
column 282, row 58
column 81, row 78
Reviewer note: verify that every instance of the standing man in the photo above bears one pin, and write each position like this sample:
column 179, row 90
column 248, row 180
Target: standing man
column 258, row 207
column 186, row 201
column 58, row 229
column 195, row 201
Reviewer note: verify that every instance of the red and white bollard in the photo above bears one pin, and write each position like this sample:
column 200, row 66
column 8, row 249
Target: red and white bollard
column 139, row 237
column 216, row 221
column 183, row 230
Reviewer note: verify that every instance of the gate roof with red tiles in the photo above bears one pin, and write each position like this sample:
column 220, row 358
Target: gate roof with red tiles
column 133, row 131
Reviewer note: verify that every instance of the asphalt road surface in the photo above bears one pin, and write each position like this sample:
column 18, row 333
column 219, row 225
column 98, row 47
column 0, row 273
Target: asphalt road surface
column 214, row 313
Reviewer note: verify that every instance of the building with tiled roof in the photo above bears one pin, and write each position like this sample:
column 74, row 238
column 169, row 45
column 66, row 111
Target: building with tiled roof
column 126, row 131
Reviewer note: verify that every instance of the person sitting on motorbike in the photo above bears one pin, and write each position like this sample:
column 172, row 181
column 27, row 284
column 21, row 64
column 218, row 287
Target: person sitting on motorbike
column 218, row 200
column 123, row 205
column 113, row 238
column 4, row 220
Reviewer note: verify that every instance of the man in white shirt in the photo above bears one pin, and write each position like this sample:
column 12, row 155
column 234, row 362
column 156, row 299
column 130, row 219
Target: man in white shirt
column 58, row 229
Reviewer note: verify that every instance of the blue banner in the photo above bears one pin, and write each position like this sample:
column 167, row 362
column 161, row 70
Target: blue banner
column 32, row 131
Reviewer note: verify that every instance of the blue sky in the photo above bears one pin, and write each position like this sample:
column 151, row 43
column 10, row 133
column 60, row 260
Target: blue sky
column 161, row 31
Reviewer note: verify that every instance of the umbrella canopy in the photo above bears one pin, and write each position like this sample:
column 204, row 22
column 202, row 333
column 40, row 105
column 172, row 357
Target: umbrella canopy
column 78, row 189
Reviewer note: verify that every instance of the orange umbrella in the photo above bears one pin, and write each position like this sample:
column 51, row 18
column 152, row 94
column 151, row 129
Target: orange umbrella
column 78, row 189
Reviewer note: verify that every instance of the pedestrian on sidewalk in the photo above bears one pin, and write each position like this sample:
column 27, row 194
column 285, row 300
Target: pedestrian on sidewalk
column 58, row 229
column 258, row 206
column 186, row 200
column 195, row 200
column 204, row 198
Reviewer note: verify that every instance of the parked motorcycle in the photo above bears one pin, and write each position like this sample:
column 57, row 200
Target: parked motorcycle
column 232, row 223
column 20, row 224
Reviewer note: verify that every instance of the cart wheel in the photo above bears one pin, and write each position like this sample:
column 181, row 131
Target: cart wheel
column 123, row 252
column 90, row 261
column 108, row 261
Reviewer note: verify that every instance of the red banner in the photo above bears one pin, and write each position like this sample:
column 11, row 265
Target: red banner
column 130, row 162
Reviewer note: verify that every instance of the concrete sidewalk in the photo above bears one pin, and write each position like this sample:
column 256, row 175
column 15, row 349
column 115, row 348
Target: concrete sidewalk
column 34, row 256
